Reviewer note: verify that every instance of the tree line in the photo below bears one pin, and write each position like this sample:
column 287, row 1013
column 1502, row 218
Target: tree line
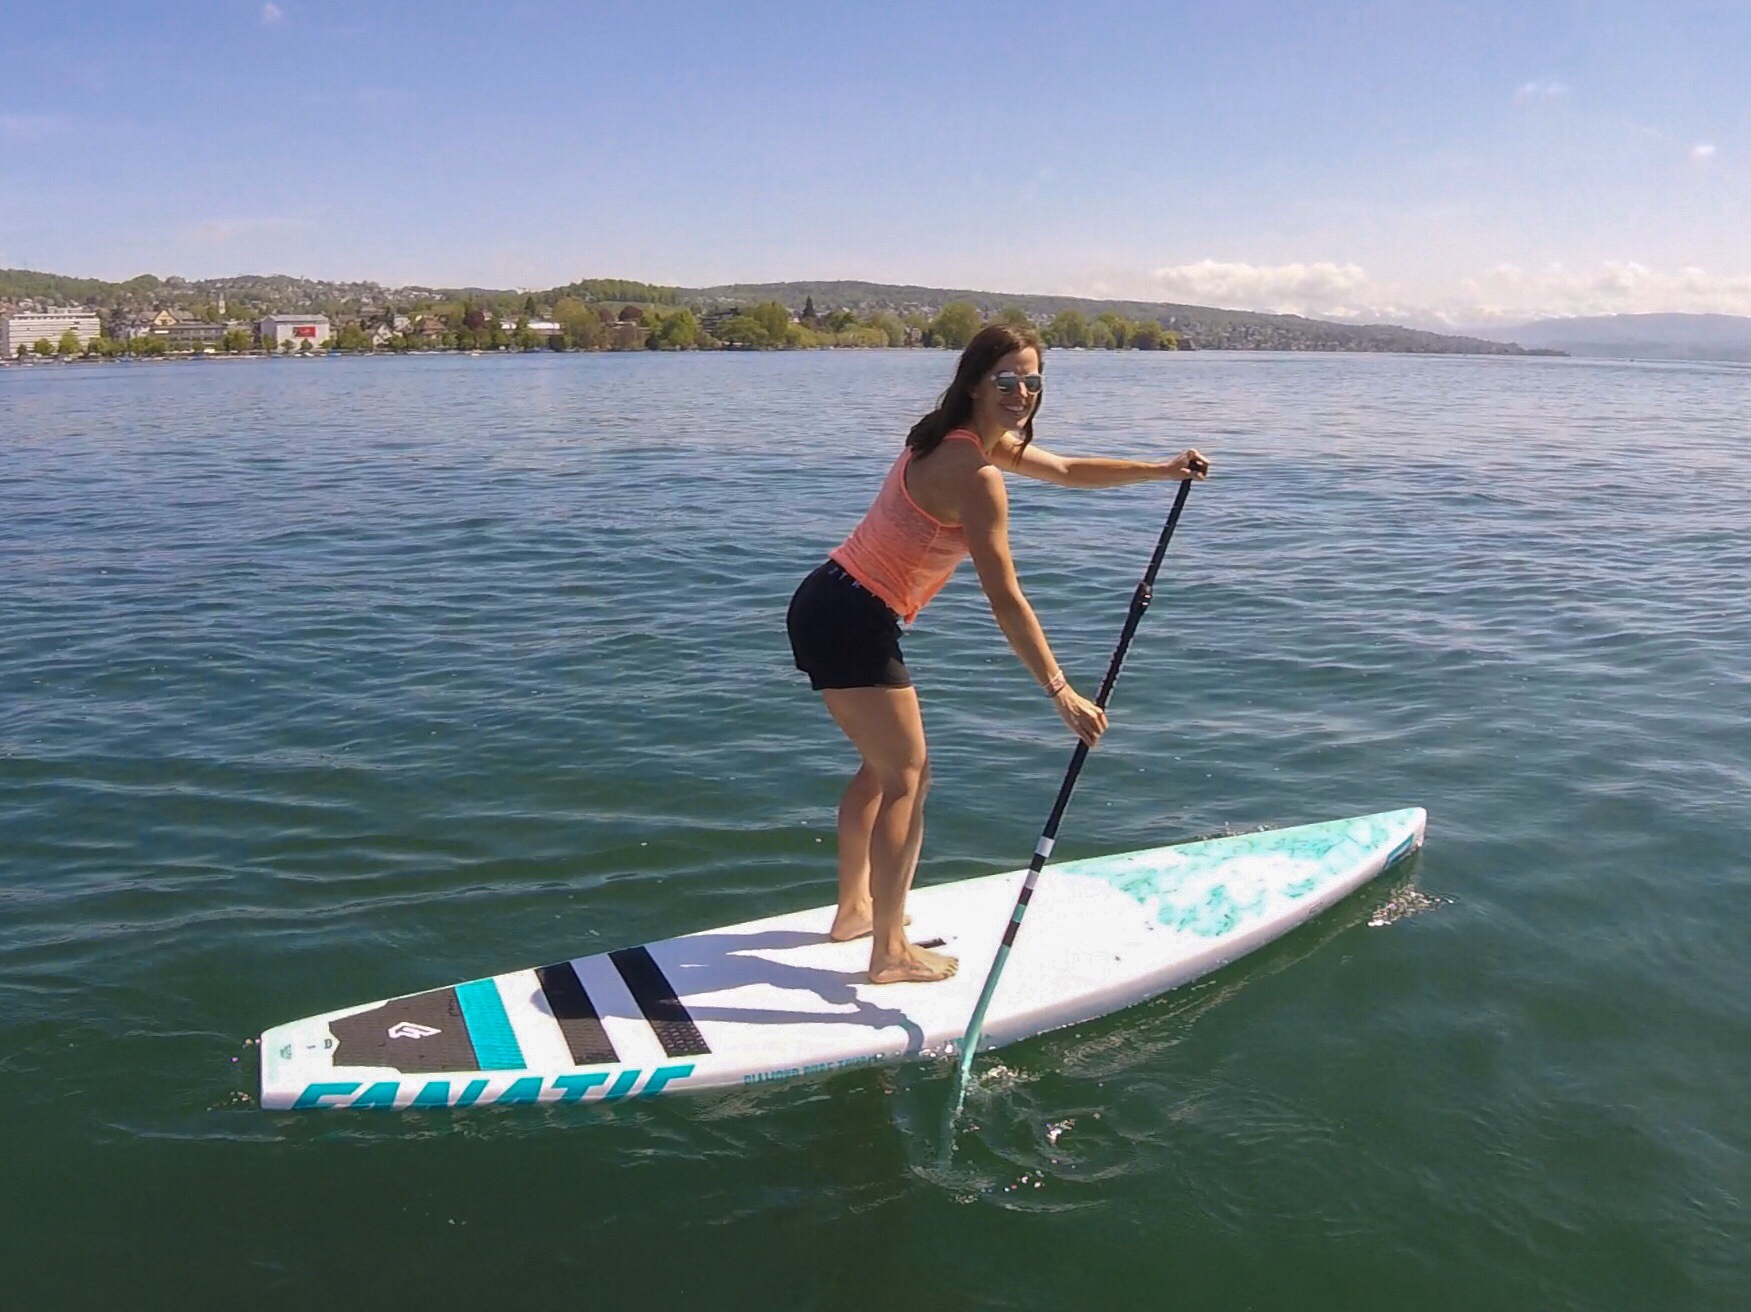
column 585, row 325
column 581, row 325
column 924, row 315
column 235, row 341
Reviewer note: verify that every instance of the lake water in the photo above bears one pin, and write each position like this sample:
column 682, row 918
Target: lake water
column 327, row 680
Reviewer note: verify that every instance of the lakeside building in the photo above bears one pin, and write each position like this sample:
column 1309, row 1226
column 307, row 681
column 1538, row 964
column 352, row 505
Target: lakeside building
column 193, row 334
column 296, row 329
column 546, row 327
column 149, row 323
column 25, row 328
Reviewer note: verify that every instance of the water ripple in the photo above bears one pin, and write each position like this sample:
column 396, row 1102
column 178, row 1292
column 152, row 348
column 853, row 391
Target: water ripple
column 323, row 681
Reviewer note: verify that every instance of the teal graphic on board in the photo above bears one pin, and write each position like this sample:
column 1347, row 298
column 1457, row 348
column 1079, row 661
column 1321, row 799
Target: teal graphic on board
column 525, row 1090
column 1221, row 885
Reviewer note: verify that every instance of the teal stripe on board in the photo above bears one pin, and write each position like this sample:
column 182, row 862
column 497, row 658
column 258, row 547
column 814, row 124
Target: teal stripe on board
column 495, row 1042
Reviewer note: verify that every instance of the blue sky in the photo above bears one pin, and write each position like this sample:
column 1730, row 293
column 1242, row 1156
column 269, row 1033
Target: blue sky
column 1424, row 162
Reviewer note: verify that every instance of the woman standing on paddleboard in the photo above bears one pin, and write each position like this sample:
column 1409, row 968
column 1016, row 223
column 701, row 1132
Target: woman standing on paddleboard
column 943, row 500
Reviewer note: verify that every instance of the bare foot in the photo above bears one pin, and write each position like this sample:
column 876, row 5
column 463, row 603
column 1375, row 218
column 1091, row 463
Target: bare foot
column 914, row 966
column 854, row 922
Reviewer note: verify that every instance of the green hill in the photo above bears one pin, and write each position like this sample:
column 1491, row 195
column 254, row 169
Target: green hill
column 1197, row 326
column 1203, row 327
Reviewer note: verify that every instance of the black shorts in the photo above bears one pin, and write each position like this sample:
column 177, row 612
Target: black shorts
column 843, row 635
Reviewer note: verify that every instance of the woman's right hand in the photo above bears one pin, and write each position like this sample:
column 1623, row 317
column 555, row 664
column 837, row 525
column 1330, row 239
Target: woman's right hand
column 1086, row 720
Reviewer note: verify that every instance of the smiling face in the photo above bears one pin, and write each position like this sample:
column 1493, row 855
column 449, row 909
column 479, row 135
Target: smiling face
column 997, row 410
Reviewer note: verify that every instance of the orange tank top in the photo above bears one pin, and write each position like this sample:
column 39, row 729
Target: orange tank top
column 899, row 551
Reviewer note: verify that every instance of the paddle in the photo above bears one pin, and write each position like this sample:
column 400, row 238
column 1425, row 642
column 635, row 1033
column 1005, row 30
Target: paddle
column 1139, row 604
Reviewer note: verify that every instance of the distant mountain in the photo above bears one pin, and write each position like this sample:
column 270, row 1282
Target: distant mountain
column 1202, row 327
column 1641, row 336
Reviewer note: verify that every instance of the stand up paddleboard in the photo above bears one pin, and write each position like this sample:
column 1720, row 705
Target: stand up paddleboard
column 775, row 999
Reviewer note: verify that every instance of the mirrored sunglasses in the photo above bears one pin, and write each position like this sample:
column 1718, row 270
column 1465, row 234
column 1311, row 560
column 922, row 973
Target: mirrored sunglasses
column 1008, row 380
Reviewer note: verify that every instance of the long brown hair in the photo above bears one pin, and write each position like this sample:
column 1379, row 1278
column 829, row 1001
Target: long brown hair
column 989, row 345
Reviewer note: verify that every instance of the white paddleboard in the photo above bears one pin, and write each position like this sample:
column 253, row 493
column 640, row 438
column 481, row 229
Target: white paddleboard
column 775, row 999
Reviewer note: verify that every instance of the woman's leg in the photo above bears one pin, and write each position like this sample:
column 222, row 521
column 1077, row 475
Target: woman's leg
column 857, row 816
column 885, row 726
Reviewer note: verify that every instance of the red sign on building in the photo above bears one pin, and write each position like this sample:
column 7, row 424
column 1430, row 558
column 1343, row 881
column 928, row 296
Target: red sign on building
column 304, row 330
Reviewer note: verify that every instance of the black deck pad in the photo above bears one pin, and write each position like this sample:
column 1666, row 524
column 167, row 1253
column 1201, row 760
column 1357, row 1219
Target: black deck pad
column 668, row 1017
column 576, row 1014
column 422, row 1033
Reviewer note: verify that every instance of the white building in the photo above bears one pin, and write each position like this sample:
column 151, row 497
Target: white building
column 296, row 329
column 195, row 334
column 25, row 328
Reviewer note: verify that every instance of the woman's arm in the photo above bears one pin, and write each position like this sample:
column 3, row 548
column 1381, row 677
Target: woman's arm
column 985, row 521
column 1094, row 471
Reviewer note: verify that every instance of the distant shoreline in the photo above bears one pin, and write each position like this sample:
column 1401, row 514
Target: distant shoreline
column 612, row 313
column 239, row 357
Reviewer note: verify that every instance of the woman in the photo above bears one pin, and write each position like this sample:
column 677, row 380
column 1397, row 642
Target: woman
column 943, row 500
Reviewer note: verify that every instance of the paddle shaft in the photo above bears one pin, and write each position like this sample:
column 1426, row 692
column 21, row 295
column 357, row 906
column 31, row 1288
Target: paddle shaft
column 1049, row 836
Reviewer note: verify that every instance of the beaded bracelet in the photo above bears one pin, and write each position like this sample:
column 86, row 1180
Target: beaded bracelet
column 1057, row 684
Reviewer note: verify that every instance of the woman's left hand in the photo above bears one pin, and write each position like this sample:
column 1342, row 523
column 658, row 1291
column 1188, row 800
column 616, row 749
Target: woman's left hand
column 1190, row 463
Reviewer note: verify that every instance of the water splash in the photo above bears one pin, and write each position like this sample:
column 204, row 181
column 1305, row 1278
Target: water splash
column 1408, row 901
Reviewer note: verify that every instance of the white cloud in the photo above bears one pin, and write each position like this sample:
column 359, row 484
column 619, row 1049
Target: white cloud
column 1505, row 294
column 1322, row 288
column 1702, row 152
column 1539, row 90
column 272, row 15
